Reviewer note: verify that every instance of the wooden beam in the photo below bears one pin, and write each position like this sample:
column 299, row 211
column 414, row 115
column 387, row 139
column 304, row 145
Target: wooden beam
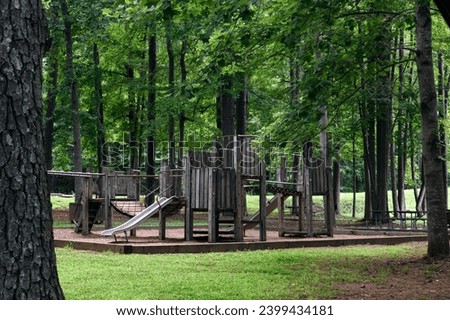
column 213, row 232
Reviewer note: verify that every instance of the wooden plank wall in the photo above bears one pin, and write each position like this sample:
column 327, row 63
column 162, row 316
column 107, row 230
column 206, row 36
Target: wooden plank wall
column 318, row 176
column 199, row 186
column 250, row 160
column 225, row 189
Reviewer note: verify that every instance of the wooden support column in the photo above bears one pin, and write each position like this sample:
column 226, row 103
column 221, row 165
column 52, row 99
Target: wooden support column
column 85, row 206
column 262, row 203
column 107, row 197
column 295, row 211
column 240, row 194
column 213, row 232
column 299, row 200
column 162, row 225
column 330, row 217
column 308, row 201
column 281, row 176
column 188, row 212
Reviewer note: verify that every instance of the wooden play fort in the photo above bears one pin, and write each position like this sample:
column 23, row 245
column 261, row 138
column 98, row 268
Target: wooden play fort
column 215, row 182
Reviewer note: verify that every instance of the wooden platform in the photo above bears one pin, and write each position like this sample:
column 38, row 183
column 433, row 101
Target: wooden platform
column 151, row 245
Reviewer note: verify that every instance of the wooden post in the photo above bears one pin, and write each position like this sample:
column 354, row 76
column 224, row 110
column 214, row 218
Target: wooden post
column 212, row 210
column 239, row 215
column 107, row 197
column 188, row 213
column 308, row 201
column 85, row 206
column 281, row 177
column 162, row 225
column 296, row 179
column 330, row 217
column 299, row 200
column 262, row 203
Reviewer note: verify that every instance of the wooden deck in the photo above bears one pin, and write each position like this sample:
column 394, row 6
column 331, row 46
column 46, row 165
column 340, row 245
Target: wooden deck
column 147, row 242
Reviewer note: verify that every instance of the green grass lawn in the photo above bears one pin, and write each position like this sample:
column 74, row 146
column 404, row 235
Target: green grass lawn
column 61, row 203
column 280, row 274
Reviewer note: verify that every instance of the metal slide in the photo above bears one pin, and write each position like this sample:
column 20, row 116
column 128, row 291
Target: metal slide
column 141, row 217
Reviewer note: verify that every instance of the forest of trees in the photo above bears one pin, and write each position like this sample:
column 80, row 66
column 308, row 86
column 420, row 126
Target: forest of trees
column 139, row 80
column 129, row 82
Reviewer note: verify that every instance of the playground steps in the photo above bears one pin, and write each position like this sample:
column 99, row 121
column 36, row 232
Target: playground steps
column 94, row 206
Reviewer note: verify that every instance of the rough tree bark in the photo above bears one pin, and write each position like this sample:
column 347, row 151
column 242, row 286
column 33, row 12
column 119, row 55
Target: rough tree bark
column 438, row 241
column 27, row 257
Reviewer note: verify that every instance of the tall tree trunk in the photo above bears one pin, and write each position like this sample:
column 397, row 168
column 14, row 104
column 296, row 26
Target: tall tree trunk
column 384, row 113
column 171, row 78
column 392, row 146
column 151, row 115
column 100, row 109
column 401, row 130
column 354, row 181
column 70, row 73
column 50, row 111
column 438, row 242
column 368, row 134
column 219, row 110
column 227, row 107
column 442, row 107
column 241, row 106
column 132, row 118
column 27, row 257
column 371, row 156
column 294, row 78
column 182, row 116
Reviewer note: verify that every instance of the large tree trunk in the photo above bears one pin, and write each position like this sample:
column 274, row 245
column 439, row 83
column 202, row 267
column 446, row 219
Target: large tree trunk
column 227, row 107
column 151, row 116
column 438, row 241
column 442, row 107
column 401, row 130
column 384, row 113
column 241, row 106
column 27, row 257
column 182, row 117
column 171, row 79
column 132, row 118
column 70, row 73
column 100, row 107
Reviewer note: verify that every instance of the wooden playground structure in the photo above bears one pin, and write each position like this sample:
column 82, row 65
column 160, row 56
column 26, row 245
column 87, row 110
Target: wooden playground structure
column 215, row 182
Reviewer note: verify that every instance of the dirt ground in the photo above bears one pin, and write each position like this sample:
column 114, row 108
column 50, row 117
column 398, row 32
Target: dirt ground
column 409, row 279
